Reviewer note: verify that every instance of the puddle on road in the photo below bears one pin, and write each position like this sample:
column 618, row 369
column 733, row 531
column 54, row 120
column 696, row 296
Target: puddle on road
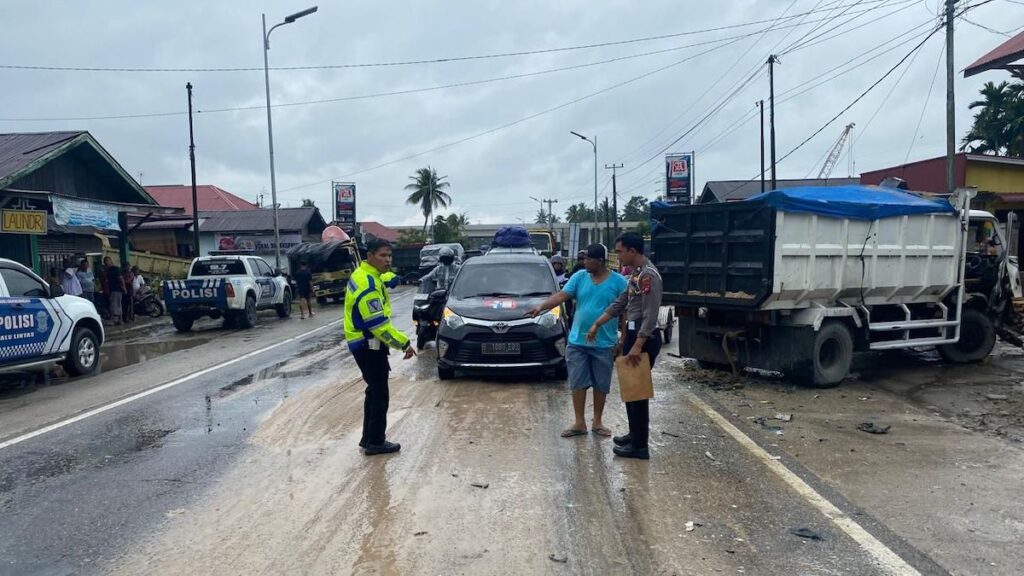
column 116, row 356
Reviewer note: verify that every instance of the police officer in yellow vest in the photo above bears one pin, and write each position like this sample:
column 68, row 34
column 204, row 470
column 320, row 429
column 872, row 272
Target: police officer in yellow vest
column 369, row 333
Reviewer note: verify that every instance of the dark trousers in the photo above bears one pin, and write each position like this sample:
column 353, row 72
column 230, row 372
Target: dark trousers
column 375, row 368
column 638, row 413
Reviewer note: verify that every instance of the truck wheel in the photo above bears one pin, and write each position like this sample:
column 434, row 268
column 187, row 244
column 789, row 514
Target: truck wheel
column 977, row 338
column 247, row 317
column 445, row 373
column 182, row 323
column 831, row 357
column 284, row 309
column 84, row 355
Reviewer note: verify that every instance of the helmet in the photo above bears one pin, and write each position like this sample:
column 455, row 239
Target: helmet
column 558, row 259
column 446, row 255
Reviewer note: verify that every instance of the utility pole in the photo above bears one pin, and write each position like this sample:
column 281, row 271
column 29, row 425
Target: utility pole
column 192, row 160
column 950, row 99
column 551, row 215
column 615, row 195
column 760, row 105
column 772, row 61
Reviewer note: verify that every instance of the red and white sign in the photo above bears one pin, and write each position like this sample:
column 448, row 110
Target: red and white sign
column 679, row 168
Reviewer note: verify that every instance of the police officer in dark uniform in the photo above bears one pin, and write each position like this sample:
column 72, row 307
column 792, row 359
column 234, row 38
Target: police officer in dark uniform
column 639, row 305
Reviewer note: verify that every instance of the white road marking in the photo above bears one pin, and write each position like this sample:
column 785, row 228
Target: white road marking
column 160, row 388
column 887, row 559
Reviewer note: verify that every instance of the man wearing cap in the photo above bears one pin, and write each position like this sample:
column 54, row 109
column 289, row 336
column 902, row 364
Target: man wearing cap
column 639, row 305
column 590, row 362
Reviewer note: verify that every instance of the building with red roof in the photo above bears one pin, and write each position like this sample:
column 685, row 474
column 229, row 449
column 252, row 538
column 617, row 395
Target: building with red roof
column 378, row 230
column 209, row 197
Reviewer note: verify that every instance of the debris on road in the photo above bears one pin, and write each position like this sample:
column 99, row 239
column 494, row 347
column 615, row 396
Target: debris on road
column 691, row 525
column 805, row 533
column 710, row 456
column 421, row 533
column 670, row 434
column 560, row 558
column 783, row 417
column 997, row 397
column 872, row 428
column 763, row 423
column 483, row 485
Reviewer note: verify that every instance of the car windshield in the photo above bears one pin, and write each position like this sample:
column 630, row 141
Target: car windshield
column 541, row 242
column 504, row 279
column 218, row 268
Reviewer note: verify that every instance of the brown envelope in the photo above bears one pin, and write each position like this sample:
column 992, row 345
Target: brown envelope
column 635, row 382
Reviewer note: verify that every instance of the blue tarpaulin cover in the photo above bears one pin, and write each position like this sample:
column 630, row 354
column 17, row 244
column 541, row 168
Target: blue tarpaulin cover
column 858, row 202
column 511, row 237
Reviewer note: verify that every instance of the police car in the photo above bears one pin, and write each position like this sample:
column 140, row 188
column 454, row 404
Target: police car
column 39, row 325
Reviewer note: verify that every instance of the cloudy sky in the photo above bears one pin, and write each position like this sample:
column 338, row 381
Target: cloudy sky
column 499, row 142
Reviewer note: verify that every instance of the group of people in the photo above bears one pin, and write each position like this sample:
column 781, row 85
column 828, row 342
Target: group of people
column 112, row 289
column 614, row 314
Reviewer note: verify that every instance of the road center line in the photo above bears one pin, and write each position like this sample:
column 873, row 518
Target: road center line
column 887, row 559
column 160, row 388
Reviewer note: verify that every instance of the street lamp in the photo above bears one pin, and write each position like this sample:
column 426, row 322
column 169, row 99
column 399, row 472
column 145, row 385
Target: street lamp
column 270, row 123
column 594, row 144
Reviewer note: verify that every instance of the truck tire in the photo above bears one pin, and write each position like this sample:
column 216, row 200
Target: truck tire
column 831, row 357
column 182, row 323
column 977, row 338
column 247, row 316
column 284, row 309
column 84, row 354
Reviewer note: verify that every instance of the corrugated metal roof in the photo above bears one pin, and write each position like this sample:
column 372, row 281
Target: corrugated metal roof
column 210, row 198
column 19, row 150
column 378, row 230
column 291, row 219
column 1006, row 53
column 734, row 190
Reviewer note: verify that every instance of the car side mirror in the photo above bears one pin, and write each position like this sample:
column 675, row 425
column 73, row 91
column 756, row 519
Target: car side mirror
column 439, row 295
column 56, row 291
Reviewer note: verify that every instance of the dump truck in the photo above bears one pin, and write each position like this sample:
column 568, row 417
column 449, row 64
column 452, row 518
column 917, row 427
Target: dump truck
column 798, row 280
column 331, row 264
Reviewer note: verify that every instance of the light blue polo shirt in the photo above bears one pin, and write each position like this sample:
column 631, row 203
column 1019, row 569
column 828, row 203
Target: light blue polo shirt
column 591, row 301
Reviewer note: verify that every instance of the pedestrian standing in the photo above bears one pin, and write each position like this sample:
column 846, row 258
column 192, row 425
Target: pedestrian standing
column 87, row 280
column 639, row 304
column 69, row 279
column 590, row 362
column 115, row 289
column 128, row 300
column 370, row 334
column 304, row 290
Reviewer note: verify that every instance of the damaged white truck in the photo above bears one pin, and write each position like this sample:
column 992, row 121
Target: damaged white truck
column 798, row 280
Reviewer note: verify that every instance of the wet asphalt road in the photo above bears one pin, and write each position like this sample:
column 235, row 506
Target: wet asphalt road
column 253, row 468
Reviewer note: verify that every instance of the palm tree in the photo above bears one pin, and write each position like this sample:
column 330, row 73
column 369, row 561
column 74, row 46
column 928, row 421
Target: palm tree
column 989, row 133
column 428, row 191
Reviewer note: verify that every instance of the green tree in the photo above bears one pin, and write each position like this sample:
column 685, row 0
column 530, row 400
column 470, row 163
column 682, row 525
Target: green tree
column 999, row 119
column 637, row 209
column 308, row 203
column 412, row 238
column 428, row 192
column 541, row 218
column 451, row 228
column 578, row 213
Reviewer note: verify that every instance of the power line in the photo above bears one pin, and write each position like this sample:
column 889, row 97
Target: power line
column 407, row 62
column 892, row 89
column 924, row 107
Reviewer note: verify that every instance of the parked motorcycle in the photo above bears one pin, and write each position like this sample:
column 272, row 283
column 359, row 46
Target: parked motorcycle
column 146, row 302
column 427, row 310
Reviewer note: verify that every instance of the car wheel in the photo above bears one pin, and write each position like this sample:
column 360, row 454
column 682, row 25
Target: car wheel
column 247, row 318
column 284, row 309
column 182, row 323
column 84, row 355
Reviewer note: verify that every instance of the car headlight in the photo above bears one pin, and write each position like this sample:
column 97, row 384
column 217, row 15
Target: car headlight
column 453, row 320
column 548, row 320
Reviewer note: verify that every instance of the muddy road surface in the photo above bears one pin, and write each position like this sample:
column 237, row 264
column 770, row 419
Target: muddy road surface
column 210, row 459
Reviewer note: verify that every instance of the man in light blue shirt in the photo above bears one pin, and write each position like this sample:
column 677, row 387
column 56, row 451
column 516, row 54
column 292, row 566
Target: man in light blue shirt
column 590, row 363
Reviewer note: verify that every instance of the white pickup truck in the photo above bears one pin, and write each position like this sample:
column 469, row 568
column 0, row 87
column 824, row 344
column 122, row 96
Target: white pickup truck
column 40, row 326
column 229, row 287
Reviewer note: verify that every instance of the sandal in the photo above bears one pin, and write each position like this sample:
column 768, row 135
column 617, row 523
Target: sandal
column 570, row 432
column 602, row 431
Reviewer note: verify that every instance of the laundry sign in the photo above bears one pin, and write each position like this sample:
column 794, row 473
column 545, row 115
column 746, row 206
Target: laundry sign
column 23, row 221
column 68, row 212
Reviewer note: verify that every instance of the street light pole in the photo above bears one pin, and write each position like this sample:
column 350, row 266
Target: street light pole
column 594, row 144
column 270, row 122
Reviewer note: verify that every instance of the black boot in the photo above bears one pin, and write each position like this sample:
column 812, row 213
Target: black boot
column 385, row 448
column 623, row 440
column 629, row 451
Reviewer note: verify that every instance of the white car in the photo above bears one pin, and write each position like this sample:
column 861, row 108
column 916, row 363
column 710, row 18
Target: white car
column 230, row 287
column 40, row 325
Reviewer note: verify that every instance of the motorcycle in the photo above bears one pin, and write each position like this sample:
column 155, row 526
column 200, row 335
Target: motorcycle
column 427, row 310
column 146, row 302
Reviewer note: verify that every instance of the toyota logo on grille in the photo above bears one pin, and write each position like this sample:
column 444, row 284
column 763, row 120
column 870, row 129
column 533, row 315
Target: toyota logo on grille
column 500, row 327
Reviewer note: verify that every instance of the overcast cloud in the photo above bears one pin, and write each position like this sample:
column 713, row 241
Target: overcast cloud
column 493, row 176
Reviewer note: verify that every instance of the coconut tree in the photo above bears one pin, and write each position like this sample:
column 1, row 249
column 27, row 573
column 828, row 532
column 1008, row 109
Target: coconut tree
column 428, row 191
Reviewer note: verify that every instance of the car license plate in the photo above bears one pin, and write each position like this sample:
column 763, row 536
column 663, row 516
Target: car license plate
column 500, row 348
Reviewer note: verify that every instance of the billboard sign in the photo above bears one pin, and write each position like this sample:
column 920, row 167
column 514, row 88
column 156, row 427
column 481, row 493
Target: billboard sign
column 679, row 178
column 345, row 205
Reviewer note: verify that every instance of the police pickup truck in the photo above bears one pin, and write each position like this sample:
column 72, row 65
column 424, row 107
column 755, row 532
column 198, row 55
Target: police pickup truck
column 39, row 325
column 230, row 287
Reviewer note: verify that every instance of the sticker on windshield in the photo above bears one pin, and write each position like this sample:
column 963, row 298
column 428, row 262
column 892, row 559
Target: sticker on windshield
column 500, row 304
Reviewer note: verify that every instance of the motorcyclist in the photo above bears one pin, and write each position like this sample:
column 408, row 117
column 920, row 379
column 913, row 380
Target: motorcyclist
column 441, row 277
column 558, row 262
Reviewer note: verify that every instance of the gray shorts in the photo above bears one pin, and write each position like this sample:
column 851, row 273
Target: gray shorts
column 590, row 368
